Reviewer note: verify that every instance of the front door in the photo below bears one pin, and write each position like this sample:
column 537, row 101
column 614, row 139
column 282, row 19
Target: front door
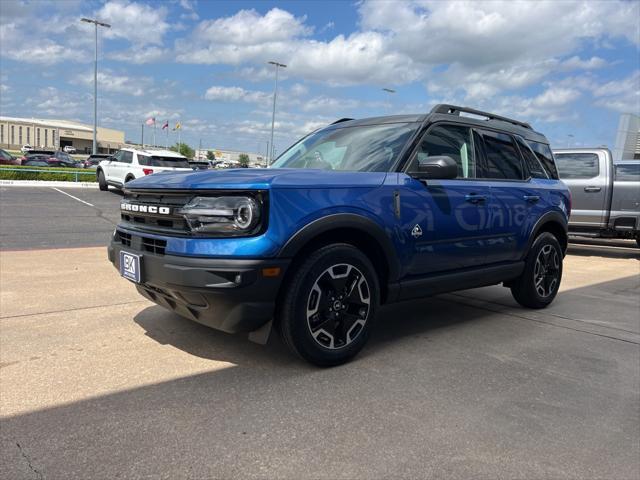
column 449, row 220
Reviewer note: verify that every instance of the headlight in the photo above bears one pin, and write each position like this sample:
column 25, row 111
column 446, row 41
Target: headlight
column 226, row 215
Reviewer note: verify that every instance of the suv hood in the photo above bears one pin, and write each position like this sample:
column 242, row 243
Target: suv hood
column 258, row 179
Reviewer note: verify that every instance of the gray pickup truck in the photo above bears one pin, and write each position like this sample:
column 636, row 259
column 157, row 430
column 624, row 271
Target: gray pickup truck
column 605, row 194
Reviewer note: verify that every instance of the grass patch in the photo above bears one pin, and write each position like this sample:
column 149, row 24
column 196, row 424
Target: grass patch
column 18, row 172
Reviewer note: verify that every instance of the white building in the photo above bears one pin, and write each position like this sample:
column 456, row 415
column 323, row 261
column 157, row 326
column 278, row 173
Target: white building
column 627, row 146
column 56, row 134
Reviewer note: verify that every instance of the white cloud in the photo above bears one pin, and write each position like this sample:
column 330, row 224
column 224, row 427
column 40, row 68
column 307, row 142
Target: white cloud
column 576, row 63
column 142, row 55
column 138, row 23
column 235, row 94
column 620, row 95
column 109, row 81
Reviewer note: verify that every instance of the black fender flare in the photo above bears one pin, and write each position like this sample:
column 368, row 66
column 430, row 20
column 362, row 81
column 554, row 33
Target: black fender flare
column 549, row 217
column 344, row 220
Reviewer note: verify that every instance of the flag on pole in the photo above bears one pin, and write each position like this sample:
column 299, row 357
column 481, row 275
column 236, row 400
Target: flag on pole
column 178, row 126
column 151, row 121
column 166, row 125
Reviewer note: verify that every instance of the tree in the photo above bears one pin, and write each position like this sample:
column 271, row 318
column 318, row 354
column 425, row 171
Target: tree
column 243, row 159
column 183, row 149
column 210, row 155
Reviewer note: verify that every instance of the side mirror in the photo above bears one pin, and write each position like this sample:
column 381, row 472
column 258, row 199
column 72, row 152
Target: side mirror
column 436, row 167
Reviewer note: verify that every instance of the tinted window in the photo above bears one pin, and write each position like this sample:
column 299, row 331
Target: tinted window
column 158, row 161
column 629, row 172
column 530, row 160
column 543, row 152
column 577, row 165
column 451, row 140
column 127, row 157
column 502, row 159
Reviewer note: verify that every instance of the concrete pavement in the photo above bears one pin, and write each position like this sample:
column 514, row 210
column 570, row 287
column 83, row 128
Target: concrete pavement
column 98, row 383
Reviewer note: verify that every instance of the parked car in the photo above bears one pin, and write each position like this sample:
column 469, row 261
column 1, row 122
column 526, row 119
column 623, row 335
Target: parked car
column 53, row 158
column 354, row 215
column 200, row 164
column 7, row 159
column 94, row 160
column 605, row 194
column 69, row 149
column 131, row 163
column 26, row 148
column 36, row 163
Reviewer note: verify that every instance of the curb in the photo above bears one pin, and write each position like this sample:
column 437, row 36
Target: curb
column 41, row 183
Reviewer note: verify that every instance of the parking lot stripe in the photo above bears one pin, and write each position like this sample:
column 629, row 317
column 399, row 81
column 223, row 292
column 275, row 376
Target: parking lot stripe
column 75, row 198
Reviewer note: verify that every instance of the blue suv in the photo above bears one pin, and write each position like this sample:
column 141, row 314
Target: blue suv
column 352, row 216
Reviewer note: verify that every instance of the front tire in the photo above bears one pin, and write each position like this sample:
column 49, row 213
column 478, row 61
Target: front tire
column 539, row 283
column 329, row 306
column 102, row 183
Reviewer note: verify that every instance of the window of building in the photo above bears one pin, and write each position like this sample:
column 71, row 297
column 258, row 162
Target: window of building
column 450, row 140
column 578, row 165
column 502, row 160
column 46, row 137
column 53, row 138
column 13, row 139
column 28, row 135
column 20, row 135
column 1, row 133
column 37, row 138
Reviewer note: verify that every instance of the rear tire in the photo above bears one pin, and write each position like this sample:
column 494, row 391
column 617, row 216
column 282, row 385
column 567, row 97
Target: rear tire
column 102, row 183
column 538, row 284
column 329, row 306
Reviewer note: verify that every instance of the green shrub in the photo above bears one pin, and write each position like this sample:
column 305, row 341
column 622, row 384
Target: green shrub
column 13, row 172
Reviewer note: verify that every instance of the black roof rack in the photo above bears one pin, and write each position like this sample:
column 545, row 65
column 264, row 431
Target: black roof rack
column 341, row 120
column 456, row 110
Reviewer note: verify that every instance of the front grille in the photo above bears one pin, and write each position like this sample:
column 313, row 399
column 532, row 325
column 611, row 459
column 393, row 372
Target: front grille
column 153, row 245
column 156, row 222
column 147, row 244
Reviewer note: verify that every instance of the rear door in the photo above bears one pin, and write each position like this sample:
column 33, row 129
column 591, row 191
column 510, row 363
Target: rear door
column 587, row 174
column 512, row 194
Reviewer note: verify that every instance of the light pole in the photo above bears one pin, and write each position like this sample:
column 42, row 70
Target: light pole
column 273, row 115
column 95, row 84
column 569, row 138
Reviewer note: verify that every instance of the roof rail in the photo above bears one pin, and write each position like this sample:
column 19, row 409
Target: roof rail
column 456, row 110
column 341, row 120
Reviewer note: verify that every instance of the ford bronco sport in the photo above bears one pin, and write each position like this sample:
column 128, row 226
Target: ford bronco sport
column 354, row 215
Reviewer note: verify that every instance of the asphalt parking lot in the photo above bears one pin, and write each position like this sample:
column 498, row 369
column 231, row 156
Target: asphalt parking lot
column 96, row 382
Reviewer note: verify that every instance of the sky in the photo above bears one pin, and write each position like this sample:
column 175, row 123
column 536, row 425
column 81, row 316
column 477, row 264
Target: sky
column 570, row 68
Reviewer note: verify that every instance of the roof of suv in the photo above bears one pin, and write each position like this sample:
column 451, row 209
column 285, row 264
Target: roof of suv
column 453, row 113
column 152, row 152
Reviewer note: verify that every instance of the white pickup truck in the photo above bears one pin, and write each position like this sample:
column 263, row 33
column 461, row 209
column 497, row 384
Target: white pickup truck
column 605, row 194
column 130, row 163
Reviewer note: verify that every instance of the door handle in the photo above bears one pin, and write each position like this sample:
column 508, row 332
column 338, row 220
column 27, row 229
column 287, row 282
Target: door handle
column 592, row 189
column 473, row 198
column 532, row 198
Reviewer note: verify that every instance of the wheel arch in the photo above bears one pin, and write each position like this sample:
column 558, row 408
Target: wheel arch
column 552, row 222
column 357, row 230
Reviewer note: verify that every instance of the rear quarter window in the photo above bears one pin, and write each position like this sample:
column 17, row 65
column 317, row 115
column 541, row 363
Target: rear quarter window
column 578, row 165
column 544, row 154
column 628, row 172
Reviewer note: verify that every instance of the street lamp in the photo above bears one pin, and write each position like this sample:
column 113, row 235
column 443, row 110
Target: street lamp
column 273, row 115
column 95, row 84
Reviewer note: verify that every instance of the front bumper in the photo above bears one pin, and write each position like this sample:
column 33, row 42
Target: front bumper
column 232, row 295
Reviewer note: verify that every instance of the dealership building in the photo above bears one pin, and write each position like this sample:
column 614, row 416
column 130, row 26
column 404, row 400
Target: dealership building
column 627, row 146
column 56, row 134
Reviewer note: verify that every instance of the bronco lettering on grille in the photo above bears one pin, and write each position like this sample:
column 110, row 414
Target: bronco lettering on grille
column 133, row 207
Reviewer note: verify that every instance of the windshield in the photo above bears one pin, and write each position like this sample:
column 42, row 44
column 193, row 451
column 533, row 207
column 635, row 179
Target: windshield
column 368, row 148
column 157, row 161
